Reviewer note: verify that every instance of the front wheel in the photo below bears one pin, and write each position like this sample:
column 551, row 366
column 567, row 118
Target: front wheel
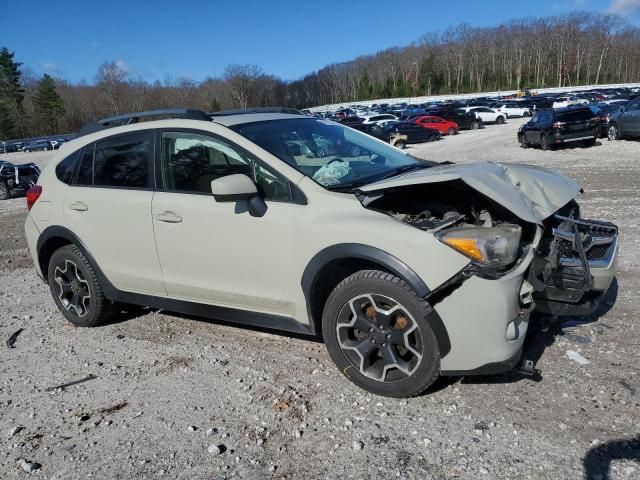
column 475, row 125
column 376, row 332
column 523, row 141
column 5, row 194
column 76, row 290
column 500, row 120
column 400, row 144
column 451, row 131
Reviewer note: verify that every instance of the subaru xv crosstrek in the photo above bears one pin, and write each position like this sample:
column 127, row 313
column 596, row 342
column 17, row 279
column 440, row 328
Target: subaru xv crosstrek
column 407, row 269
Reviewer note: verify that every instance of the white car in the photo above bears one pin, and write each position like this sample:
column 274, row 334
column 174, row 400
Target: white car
column 561, row 102
column 514, row 110
column 486, row 114
column 407, row 269
column 379, row 118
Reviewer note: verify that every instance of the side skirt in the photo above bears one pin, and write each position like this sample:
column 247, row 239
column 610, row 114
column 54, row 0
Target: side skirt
column 213, row 312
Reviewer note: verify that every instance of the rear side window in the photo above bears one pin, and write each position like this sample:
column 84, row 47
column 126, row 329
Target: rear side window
column 124, row 161
column 65, row 169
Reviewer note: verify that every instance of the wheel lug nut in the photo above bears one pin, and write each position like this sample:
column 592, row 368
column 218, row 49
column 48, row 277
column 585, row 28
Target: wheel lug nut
column 371, row 329
column 384, row 345
column 372, row 341
column 388, row 336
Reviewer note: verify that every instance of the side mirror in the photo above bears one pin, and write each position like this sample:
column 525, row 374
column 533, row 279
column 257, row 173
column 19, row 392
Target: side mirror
column 239, row 187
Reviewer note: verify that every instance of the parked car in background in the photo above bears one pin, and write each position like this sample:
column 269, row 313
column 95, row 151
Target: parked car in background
column 442, row 125
column 561, row 102
column 464, row 119
column 625, row 122
column 513, row 109
column 390, row 136
column 548, row 128
column 486, row 114
column 414, row 133
column 379, row 119
column 37, row 146
column 602, row 114
column 17, row 179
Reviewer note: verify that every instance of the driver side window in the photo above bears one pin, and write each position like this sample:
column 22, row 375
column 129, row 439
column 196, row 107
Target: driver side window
column 191, row 161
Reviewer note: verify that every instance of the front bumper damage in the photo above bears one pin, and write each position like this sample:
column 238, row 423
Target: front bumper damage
column 575, row 265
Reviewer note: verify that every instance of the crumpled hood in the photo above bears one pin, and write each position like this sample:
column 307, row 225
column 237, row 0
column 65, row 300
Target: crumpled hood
column 532, row 193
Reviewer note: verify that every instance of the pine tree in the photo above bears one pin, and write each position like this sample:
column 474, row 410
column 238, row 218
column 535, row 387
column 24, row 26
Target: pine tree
column 11, row 95
column 47, row 104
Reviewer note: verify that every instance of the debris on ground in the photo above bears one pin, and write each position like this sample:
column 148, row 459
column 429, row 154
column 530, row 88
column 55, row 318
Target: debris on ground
column 576, row 357
column 11, row 341
column 113, row 408
column 29, row 466
column 75, row 382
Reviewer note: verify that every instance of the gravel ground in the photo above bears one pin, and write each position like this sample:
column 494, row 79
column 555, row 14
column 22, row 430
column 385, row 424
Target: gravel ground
column 178, row 397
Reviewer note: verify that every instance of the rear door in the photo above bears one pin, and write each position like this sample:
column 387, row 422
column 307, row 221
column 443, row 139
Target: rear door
column 108, row 206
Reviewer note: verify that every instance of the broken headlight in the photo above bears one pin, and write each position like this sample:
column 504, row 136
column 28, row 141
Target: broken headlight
column 494, row 247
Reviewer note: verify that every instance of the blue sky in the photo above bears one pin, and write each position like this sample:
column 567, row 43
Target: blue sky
column 196, row 38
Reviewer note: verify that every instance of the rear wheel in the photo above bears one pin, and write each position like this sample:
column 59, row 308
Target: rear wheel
column 376, row 332
column 613, row 133
column 590, row 143
column 76, row 290
column 544, row 143
column 5, row 194
column 475, row 125
column 401, row 144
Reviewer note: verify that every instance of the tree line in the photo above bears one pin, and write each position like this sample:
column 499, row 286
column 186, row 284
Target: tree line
column 576, row 49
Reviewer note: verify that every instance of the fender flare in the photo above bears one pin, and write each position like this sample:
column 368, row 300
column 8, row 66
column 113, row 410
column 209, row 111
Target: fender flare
column 57, row 231
column 324, row 258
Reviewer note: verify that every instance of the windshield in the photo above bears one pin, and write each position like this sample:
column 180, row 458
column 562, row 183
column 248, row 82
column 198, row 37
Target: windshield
column 335, row 156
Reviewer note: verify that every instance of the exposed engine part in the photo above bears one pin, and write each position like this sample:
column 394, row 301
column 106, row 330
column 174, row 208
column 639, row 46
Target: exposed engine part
column 425, row 220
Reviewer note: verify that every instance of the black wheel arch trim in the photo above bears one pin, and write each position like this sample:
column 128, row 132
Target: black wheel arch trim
column 226, row 314
column 334, row 253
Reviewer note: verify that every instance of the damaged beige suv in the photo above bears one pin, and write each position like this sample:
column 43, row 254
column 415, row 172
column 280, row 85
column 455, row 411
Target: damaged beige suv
column 408, row 269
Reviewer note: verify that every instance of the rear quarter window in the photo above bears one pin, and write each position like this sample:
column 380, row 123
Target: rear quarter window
column 65, row 169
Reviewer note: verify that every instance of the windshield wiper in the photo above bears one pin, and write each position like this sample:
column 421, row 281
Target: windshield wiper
column 405, row 169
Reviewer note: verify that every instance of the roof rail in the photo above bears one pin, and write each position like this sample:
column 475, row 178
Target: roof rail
column 130, row 118
column 246, row 111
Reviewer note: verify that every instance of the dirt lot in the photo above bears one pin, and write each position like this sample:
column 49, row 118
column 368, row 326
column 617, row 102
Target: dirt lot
column 167, row 388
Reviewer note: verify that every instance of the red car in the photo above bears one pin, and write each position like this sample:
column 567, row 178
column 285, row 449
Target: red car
column 445, row 127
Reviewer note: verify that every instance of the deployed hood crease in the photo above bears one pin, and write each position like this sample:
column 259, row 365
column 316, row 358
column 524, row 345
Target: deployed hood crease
column 532, row 193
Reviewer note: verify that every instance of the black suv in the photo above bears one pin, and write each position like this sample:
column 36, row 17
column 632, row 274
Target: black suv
column 465, row 120
column 17, row 179
column 550, row 127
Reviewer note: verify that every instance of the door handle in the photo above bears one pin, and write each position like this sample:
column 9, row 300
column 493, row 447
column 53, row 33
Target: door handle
column 79, row 206
column 168, row 217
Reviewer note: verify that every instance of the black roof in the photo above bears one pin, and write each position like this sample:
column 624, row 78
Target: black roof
column 135, row 118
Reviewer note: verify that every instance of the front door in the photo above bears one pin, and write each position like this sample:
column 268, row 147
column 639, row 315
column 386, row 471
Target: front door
column 216, row 252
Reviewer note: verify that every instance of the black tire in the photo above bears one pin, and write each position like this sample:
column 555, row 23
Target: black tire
column 500, row 120
column 451, row 131
column 544, row 143
column 590, row 143
column 613, row 133
column 475, row 125
column 5, row 193
column 401, row 144
column 416, row 347
column 26, row 150
column 523, row 141
column 92, row 312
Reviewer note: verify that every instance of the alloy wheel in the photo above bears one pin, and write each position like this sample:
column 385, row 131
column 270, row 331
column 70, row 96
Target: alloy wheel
column 73, row 289
column 612, row 133
column 379, row 337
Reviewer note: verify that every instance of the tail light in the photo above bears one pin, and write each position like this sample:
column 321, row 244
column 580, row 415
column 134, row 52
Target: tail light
column 33, row 194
